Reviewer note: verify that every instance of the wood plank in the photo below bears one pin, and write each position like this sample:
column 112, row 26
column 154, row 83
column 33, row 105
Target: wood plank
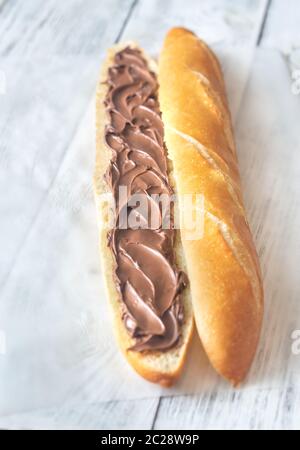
column 228, row 410
column 33, row 28
column 126, row 415
column 272, row 399
column 282, row 25
column 60, row 28
column 231, row 28
column 268, row 147
column 50, row 225
column 44, row 98
column 53, row 308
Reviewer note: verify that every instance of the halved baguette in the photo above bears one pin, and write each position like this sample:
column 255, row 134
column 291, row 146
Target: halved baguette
column 223, row 267
column 162, row 367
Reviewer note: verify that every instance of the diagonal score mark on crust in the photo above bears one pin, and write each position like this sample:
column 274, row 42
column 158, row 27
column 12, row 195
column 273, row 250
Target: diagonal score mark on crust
column 205, row 153
column 247, row 266
column 216, row 98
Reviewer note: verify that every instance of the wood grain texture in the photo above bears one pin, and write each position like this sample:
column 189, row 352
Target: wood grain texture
column 268, row 148
column 122, row 415
column 262, row 410
column 33, row 159
column 282, row 25
column 72, row 27
column 219, row 22
column 39, row 111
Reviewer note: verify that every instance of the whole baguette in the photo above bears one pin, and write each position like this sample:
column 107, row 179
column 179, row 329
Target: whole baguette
column 156, row 366
column 223, row 267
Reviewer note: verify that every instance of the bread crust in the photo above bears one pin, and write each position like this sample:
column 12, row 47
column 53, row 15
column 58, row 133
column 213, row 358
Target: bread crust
column 223, row 266
column 158, row 367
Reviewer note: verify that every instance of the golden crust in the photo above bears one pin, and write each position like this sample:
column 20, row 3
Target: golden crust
column 159, row 367
column 223, row 267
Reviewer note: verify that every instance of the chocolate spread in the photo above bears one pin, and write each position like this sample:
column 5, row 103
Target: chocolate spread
column 148, row 280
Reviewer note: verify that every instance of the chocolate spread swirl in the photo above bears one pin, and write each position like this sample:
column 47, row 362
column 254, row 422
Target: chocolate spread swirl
column 149, row 282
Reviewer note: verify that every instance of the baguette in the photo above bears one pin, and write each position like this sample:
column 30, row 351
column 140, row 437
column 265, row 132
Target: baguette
column 223, row 267
column 162, row 367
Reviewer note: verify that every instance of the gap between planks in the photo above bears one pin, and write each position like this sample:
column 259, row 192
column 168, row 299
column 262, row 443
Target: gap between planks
column 264, row 22
column 36, row 215
column 126, row 20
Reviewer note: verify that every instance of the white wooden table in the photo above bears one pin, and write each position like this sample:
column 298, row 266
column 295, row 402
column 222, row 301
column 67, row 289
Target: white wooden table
column 41, row 44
